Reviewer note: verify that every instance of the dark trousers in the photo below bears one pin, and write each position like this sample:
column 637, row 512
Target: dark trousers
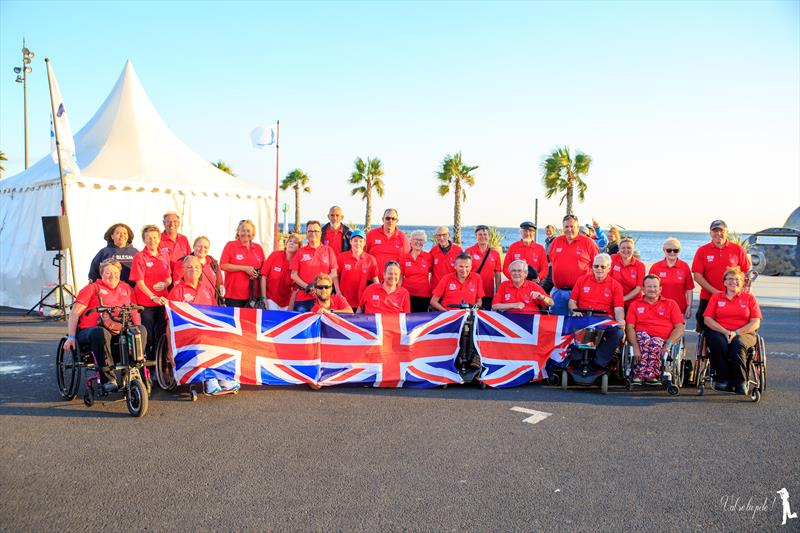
column 154, row 320
column 701, row 308
column 420, row 304
column 230, row 302
column 98, row 340
column 729, row 359
column 605, row 350
column 486, row 303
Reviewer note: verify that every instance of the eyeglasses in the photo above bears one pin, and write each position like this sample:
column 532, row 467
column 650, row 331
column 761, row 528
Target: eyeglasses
column 313, row 231
column 389, row 218
column 601, row 267
column 672, row 250
column 517, row 271
column 322, row 287
column 441, row 234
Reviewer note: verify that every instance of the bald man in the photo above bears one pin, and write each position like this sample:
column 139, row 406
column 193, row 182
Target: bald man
column 444, row 254
column 334, row 233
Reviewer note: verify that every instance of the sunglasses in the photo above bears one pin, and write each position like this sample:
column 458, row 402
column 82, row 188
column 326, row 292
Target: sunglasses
column 322, row 287
column 672, row 250
column 389, row 218
column 601, row 267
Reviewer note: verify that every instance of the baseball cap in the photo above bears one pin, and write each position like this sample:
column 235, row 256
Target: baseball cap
column 719, row 224
column 357, row 233
column 527, row 225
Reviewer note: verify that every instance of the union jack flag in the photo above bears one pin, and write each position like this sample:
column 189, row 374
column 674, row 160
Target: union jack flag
column 252, row 346
column 515, row 347
column 414, row 350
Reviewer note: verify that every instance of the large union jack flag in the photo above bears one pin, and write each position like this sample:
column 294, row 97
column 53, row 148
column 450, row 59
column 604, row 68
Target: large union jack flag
column 515, row 347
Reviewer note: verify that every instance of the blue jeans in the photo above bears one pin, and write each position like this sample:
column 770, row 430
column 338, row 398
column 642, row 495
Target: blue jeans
column 560, row 300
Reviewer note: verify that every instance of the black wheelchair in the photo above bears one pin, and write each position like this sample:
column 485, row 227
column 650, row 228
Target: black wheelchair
column 755, row 368
column 467, row 361
column 130, row 362
column 581, row 352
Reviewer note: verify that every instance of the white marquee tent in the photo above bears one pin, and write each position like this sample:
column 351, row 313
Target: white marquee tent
column 133, row 169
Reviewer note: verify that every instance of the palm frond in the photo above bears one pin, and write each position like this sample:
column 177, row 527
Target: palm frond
column 444, row 190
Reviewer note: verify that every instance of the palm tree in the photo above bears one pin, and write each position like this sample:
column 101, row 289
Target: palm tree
column 563, row 174
column 368, row 178
column 2, row 158
column 298, row 180
column 223, row 166
column 456, row 174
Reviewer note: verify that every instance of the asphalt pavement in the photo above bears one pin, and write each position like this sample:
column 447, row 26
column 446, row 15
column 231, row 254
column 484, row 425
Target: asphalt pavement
column 347, row 459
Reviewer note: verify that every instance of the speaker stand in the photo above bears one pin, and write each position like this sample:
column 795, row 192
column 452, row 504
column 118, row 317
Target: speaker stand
column 61, row 288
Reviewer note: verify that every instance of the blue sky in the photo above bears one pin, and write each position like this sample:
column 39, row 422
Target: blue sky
column 690, row 110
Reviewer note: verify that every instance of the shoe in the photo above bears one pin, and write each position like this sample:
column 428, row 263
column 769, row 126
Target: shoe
column 741, row 388
column 637, row 381
column 211, row 387
column 721, row 386
column 475, row 362
column 110, row 386
column 229, row 386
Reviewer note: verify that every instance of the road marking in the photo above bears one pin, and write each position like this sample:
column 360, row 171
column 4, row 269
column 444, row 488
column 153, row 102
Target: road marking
column 536, row 416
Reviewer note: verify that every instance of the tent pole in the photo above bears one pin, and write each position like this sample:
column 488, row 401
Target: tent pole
column 60, row 173
column 277, row 159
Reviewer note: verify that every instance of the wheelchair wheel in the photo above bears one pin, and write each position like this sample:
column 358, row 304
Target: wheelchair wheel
column 604, row 384
column 564, row 379
column 762, row 362
column 136, row 398
column 68, row 371
column 165, row 374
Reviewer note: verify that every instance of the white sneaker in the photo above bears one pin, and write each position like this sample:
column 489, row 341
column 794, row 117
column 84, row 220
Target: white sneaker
column 212, row 387
column 228, row 385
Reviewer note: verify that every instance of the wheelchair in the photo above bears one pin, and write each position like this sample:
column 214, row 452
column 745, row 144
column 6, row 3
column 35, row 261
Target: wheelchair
column 165, row 370
column 755, row 368
column 131, row 364
column 466, row 347
column 672, row 368
column 581, row 370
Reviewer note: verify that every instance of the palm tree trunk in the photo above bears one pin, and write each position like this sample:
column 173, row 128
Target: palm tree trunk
column 457, row 213
column 297, row 208
column 368, row 217
column 569, row 196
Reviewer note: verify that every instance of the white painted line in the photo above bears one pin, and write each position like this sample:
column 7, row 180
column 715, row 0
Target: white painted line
column 536, row 416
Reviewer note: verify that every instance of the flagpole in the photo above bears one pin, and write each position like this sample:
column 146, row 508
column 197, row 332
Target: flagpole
column 60, row 168
column 277, row 160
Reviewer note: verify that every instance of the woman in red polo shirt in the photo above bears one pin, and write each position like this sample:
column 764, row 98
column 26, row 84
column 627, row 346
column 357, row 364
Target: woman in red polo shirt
column 628, row 271
column 676, row 277
column 519, row 294
column 386, row 297
column 210, row 274
column 732, row 319
column 241, row 260
column 654, row 324
column 152, row 271
column 276, row 276
column 416, row 267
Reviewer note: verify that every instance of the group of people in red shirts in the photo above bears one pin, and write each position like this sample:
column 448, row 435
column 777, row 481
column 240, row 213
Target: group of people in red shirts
column 384, row 271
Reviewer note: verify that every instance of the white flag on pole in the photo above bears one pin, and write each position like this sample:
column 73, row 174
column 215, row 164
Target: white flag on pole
column 69, row 161
column 263, row 136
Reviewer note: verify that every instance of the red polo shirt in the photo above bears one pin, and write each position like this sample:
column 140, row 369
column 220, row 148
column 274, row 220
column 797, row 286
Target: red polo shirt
column 602, row 296
column 309, row 262
column 416, row 274
column 278, row 277
column 712, row 262
column 629, row 276
column 385, row 248
column 533, row 254
column 675, row 281
column 237, row 284
column 733, row 313
column 91, row 294
column 657, row 319
column 493, row 264
column 507, row 293
column 571, row 260
column 376, row 300
column 333, row 238
column 208, row 276
column 151, row 269
column 443, row 264
column 203, row 294
column 337, row 302
column 354, row 272
column 451, row 291
column 175, row 249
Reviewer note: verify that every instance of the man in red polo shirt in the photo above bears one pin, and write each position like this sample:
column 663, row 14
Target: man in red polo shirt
column 487, row 264
column 571, row 256
column 600, row 292
column 334, row 233
column 519, row 294
column 324, row 301
column 528, row 250
column 356, row 269
column 710, row 263
column 311, row 260
column 172, row 242
column 444, row 254
column 463, row 285
column 387, row 243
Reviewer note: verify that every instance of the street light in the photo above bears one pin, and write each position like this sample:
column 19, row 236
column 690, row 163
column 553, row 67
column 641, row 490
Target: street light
column 22, row 77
